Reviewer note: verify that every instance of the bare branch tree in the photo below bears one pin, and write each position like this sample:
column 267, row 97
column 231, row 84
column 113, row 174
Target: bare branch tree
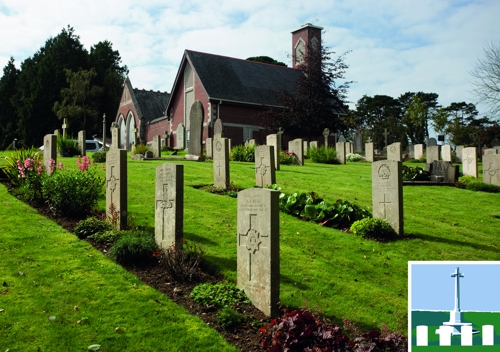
column 486, row 75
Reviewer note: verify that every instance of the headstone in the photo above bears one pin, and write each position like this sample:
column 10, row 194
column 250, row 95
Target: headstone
column 418, row 151
column 498, row 149
column 431, row 142
column 196, row 130
column 221, row 162
column 444, row 171
column 65, row 127
column 251, row 142
column 272, row 140
column 82, row 143
column 169, row 205
column 432, row 153
column 387, row 193
column 305, row 147
column 411, row 151
column 209, row 148
column 490, row 151
column 258, row 264
column 56, row 132
column 394, row 152
column 495, row 142
column 326, row 133
column 313, row 144
column 181, row 137
column 341, row 155
column 459, row 151
column 348, row 147
column 156, row 147
column 469, row 161
column 50, row 152
column 116, row 186
column 297, row 147
column 342, row 138
column 115, row 137
column 446, row 152
column 164, row 139
column 218, row 127
column 369, row 152
column 358, row 141
column 491, row 169
column 265, row 174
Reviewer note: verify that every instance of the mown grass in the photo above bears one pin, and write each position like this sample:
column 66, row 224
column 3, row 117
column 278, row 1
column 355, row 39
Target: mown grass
column 329, row 271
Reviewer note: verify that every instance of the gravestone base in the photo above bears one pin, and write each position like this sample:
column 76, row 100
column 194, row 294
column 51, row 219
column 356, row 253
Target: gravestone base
column 194, row 157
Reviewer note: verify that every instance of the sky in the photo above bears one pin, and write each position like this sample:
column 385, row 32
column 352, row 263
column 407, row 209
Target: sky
column 433, row 288
column 395, row 46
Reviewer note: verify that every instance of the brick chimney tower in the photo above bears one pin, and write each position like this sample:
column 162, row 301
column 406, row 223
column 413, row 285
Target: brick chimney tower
column 301, row 39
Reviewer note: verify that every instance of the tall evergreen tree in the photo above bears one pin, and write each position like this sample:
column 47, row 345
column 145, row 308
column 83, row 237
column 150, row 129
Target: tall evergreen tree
column 8, row 116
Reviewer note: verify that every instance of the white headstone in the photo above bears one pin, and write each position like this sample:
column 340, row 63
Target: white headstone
column 418, row 151
column 274, row 140
column 297, row 147
column 116, row 185
column 50, row 152
column 265, row 174
column 446, row 152
column 221, row 162
column 180, row 137
column 394, row 152
column 82, row 143
column 469, row 161
column 341, row 151
column 369, row 152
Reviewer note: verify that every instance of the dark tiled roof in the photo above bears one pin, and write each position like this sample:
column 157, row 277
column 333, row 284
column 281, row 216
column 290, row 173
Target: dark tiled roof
column 150, row 104
column 239, row 80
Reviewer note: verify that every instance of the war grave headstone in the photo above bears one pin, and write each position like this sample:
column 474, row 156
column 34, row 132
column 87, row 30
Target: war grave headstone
column 348, row 147
column 115, row 137
column 387, row 193
column 305, row 147
column 443, row 171
column 169, row 205
column 221, row 162
column 469, row 161
column 459, row 152
column 446, row 152
column 65, row 127
column 297, row 147
column 258, row 263
column 49, row 152
column 218, row 127
column 498, row 149
column 272, row 140
column 358, row 142
column 181, row 137
column 326, row 133
column 265, row 174
column 82, row 143
column 251, row 142
column 369, row 152
column 340, row 148
column 209, row 150
column 490, row 151
column 116, row 185
column 313, row 144
column 431, row 142
column 432, row 153
column 342, row 138
column 491, row 169
column 418, row 151
column 156, row 146
column 411, row 151
column 196, row 131
column 165, row 139
column 394, row 152
column 57, row 132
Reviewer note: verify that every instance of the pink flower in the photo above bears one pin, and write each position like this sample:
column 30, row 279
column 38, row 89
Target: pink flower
column 60, row 165
column 39, row 170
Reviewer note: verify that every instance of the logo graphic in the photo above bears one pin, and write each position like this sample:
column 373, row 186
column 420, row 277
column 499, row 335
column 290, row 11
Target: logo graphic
column 453, row 304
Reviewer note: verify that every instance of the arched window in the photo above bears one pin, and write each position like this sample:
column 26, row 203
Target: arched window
column 131, row 131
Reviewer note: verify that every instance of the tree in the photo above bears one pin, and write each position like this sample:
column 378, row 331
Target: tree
column 317, row 99
column 8, row 116
column 486, row 74
column 464, row 127
column 266, row 60
column 418, row 109
column 79, row 104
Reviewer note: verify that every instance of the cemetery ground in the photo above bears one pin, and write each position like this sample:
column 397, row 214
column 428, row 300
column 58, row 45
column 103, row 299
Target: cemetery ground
column 330, row 272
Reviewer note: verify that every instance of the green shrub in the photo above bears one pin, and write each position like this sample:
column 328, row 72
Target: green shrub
column 243, row 153
column 134, row 247
column 109, row 236
column 140, row 149
column 415, row 174
column 323, row 156
column 353, row 157
column 373, row 229
column 218, row 295
column 17, row 165
column 100, row 156
column 73, row 192
column 464, row 180
column 228, row 318
column 482, row 187
column 181, row 262
column 90, row 226
column 414, row 161
column 67, row 147
column 423, row 158
column 287, row 158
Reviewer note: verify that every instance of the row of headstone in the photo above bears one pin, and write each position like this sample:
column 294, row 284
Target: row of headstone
column 297, row 147
column 221, row 162
column 274, row 140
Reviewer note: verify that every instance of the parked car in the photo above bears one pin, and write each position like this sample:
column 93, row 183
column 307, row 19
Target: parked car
column 91, row 145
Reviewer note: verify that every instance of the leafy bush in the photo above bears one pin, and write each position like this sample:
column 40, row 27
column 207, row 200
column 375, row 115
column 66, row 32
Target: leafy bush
column 287, row 158
column 231, row 191
column 109, row 236
column 243, row 153
column 90, row 226
column 73, row 192
column 100, row 156
column 68, row 146
column 414, row 161
column 463, row 181
column 373, row 228
column 139, row 149
column 181, row 262
column 134, row 247
column 323, row 156
column 353, row 157
column 415, row 174
column 423, row 158
column 228, row 318
column 482, row 187
column 218, row 295
column 17, row 167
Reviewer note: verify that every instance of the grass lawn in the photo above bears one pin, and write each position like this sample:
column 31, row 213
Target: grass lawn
column 328, row 271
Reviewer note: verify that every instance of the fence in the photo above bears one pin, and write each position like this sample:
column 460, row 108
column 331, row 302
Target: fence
column 445, row 335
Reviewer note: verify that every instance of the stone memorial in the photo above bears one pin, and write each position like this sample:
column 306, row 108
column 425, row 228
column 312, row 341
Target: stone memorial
column 56, row 132
column 219, row 127
column 305, row 147
column 469, row 161
column 65, row 128
column 82, row 143
column 115, row 137
column 50, row 152
column 490, row 151
column 116, row 185
column 156, row 146
column 498, row 149
column 340, row 149
column 369, row 152
column 221, row 162
column 491, row 169
column 394, row 152
column 418, row 151
column 358, row 141
column 195, row 131
column 446, row 152
column 169, row 205
column 326, row 133
column 431, row 142
column 348, row 148
column 458, row 153
column 411, row 151
column 432, row 153
column 387, row 193
column 272, row 140
column 181, row 137
column 313, row 144
column 209, row 148
column 297, row 147
column 265, row 174
column 342, row 138
column 258, row 263
column 251, row 142
column 443, row 171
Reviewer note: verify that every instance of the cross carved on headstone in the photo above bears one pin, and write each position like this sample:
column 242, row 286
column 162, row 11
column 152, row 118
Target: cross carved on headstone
column 468, row 160
column 261, row 169
column 164, row 203
column 112, row 183
column 219, row 167
column 385, row 202
column 252, row 243
column 490, row 171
